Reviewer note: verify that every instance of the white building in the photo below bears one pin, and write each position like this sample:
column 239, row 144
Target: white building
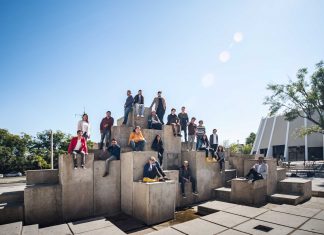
column 277, row 137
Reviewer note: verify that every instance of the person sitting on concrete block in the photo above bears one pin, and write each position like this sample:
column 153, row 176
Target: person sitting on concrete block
column 220, row 157
column 174, row 121
column 204, row 145
column 154, row 121
column 157, row 145
column 159, row 105
column 137, row 140
column 128, row 106
column 114, row 152
column 139, row 104
column 153, row 172
column 105, row 129
column 258, row 171
column 186, row 176
column 200, row 132
column 78, row 145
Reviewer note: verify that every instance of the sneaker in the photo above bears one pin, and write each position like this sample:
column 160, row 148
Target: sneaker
column 83, row 167
column 75, row 168
column 165, row 178
column 250, row 181
column 175, row 135
column 161, row 180
column 137, row 115
column 195, row 193
column 142, row 116
column 214, row 160
column 104, row 175
column 184, row 195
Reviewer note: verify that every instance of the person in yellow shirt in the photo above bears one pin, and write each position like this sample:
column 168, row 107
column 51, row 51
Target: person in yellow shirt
column 137, row 140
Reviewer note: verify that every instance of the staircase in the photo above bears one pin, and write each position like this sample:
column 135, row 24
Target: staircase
column 224, row 193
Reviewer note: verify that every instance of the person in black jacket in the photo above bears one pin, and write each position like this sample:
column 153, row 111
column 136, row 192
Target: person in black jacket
column 204, row 144
column 157, row 145
column 213, row 141
column 174, row 121
column 128, row 106
column 114, row 152
column 152, row 171
column 186, row 176
column 154, row 121
column 139, row 104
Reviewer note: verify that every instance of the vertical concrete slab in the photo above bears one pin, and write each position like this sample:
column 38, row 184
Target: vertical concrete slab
column 237, row 162
column 171, row 161
column 43, row 204
column 107, row 192
column 171, row 143
column 46, row 176
column 77, row 188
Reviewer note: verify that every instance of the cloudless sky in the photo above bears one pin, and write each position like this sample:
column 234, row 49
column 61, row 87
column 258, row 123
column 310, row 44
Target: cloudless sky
column 58, row 56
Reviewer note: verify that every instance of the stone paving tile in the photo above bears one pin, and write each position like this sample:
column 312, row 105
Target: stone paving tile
column 112, row 230
column 198, row 227
column 232, row 232
column 246, row 211
column 12, row 228
column 166, row 231
column 313, row 225
column 142, row 231
column 306, row 212
column 319, row 215
column 89, row 225
column 62, row 229
column 217, row 205
column 282, row 219
column 225, row 219
column 249, row 227
column 314, row 202
column 301, row 232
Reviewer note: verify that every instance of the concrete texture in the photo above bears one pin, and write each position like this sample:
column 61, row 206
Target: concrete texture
column 237, row 162
column 89, row 225
column 136, row 121
column 223, row 194
column 301, row 232
column 282, row 219
column 43, row 205
column 248, row 194
column 249, row 227
column 46, row 176
column 279, row 198
column 154, row 202
column 30, row 230
column 294, row 210
column 171, row 161
column 319, row 215
column 171, row 143
column 12, row 193
column 11, row 212
column 61, row 229
column 11, row 229
column 313, row 225
column 296, row 186
column 214, row 206
column 206, row 173
column 166, row 231
column 77, row 188
column 199, row 226
column 231, row 232
column 113, row 230
column 106, row 190
column 225, row 219
column 281, row 174
column 246, row 211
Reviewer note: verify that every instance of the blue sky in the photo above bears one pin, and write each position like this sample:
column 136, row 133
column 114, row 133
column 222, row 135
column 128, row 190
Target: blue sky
column 57, row 57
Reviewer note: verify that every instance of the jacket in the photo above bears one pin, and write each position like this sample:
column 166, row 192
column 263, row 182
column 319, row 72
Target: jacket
column 211, row 139
column 136, row 99
column 136, row 137
column 129, row 102
column 183, row 119
column 172, row 118
column 156, row 103
column 105, row 121
column 192, row 129
column 261, row 169
column 204, row 143
column 184, row 173
column 157, row 146
column 114, row 150
column 74, row 142
column 152, row 171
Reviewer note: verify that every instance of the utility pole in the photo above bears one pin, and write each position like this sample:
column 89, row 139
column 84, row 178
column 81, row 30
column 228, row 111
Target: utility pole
column 52, row 152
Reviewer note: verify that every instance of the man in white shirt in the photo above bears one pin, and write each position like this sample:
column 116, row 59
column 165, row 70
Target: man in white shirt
column 213, row 141
column 258, row 171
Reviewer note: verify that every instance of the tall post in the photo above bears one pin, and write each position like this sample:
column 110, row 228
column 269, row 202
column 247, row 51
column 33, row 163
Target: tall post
column 52, row 152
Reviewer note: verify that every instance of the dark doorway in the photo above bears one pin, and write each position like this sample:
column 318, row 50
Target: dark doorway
column 296, row 153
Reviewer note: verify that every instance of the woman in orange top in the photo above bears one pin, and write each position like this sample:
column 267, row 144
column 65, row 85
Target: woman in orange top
column 137, row 140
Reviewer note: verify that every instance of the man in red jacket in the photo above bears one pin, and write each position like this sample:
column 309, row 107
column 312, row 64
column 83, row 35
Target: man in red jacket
column 78, row 145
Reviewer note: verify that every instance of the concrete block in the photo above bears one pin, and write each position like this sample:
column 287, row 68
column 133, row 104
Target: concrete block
column 61, row 229
column 172, row 175
column 43, row 205
column 248, row 194
column 172, row 161
column 296, row 186
column 223, row 194
column 214, row 206
column 11, row 229
column 206, row 173
column 230, row 174
column 302, row 232
column 313, row 225
column 281, row 174
column 89, row 225
column 250, row 227
column 199, row 226
column 154, row 202
column 30, row 230
column 136, row 121
column 171, row 143
column 237, row 162
column 282, row 219
column 11, row 212
column 246, row 211
column 46, row 176
column 106, row 191
column 225, row 219
column 77, row 188
column 279, row 198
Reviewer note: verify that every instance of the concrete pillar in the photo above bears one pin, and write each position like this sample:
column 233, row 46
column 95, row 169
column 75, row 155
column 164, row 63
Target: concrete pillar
column 286, row 155
column 256, row 137
column 264, row 125
column 269, row 151
column 306, row 141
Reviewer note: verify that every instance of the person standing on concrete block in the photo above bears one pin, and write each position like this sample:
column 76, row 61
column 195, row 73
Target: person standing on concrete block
column 128, row 106
column 192, row 128
column 201, row 131
column 139, row 104
column 221, row 157
column 213, row 140
column 153, row 172
column 114, row 152
column 186, row 176
column 154, row 121
column 258, row 171
column 84, row 126
column 160, row 106
column 204, row 146
column 78, row 146
column 184, row 120
column 157, row 145
column 174, row 121
column 105, row 129
column 137, row 140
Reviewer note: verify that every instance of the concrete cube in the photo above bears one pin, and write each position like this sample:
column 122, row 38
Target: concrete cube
column 136, row 121
column 171, row 161
column 296, row 186
column 281, row 174
column 154, row 202
column 237, row 161
column 46, row 176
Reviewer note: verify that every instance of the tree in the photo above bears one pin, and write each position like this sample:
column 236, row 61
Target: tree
column 302, row 98
column 250, row 139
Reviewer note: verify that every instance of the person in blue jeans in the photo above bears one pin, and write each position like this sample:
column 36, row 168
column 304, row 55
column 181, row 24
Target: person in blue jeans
column 128, row 106
column 186, row 176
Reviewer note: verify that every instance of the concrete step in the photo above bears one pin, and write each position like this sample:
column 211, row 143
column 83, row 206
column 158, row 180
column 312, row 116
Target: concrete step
column 285, row 199
column 11, row 212
column 11, row 229
column 230, row 174
column 223, row 194
column 14, row 196
column 228, row 184
column 30, row 230
column 295, row 186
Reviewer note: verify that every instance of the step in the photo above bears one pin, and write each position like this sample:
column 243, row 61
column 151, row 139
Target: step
column 30, row 230
column 230, row 174
column 285, row 199
column 223, row 194
column 228, row 184
column 12, row 194
column 11, row 229
column 295, row 186
column 11, row 212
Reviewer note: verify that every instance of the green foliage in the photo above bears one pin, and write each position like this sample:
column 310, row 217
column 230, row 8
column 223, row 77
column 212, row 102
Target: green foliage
column 250, row 139
column 246, row 149
column 234, row 148
column 302, row 98
column 240, row 148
